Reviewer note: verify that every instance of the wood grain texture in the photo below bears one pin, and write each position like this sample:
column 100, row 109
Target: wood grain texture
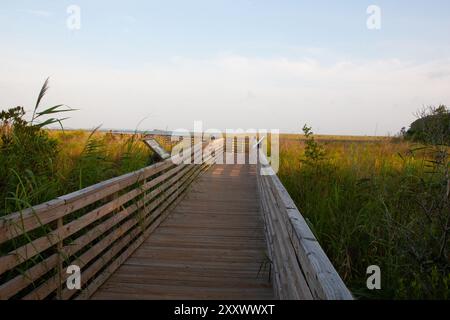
column 18, row 223
column 293, row 246
column 212, row 246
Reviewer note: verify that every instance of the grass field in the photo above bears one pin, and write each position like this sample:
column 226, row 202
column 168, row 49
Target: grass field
column 375, row 201
column 78, row 159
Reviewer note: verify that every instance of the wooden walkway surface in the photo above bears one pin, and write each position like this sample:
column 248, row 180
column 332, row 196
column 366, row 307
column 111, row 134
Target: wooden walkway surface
column 211, row 246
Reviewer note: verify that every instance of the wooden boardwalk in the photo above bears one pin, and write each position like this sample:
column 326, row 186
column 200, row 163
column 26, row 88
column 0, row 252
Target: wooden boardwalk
column 212, row 246
column 172, row 230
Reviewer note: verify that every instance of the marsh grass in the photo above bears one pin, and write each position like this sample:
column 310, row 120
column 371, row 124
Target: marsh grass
column 37, row 164
column 375, row 202
column 78, row 159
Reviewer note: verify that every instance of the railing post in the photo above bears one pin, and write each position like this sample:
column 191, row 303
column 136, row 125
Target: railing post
column 59, row 248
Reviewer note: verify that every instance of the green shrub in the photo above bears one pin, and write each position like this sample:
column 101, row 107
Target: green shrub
column 431, row 127
column 27, row 156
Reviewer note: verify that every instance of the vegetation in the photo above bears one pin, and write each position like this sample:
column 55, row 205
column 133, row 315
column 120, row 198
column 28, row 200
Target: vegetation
column 431, row 127
column 314, row 152
column 379, row 202
column 369, row 201
column 37, row 165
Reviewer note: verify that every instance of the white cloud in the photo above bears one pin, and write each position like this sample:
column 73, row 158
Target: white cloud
column 236, row 91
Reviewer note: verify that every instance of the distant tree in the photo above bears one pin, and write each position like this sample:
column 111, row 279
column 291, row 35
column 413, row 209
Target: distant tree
column 403, row 132
column 431, row 127
column 314, row 152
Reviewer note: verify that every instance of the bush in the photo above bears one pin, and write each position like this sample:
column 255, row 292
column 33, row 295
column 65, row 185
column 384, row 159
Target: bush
column 431, row 127
column 27, row 156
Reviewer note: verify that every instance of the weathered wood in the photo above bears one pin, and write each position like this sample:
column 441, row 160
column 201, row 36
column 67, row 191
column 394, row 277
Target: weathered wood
column 12, row 287
column 92, row 288
column 288, row 235
column 232, row 245
column 37, row 246
column 269, row 235
column 29, row 219
column 280, row 258
column 296, row 285
column 18, row 223
column 46, row 288
column 59, row 268
column 167, row 182
column 154, row 220
column 278, row 281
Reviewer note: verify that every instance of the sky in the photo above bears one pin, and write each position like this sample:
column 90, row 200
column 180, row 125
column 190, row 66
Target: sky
column 230, row 64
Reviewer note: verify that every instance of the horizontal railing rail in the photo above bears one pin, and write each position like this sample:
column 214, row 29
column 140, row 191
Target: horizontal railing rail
column 300, row 267
column 96, row 229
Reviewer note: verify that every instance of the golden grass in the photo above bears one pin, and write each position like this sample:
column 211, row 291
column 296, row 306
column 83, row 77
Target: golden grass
column 375, row 202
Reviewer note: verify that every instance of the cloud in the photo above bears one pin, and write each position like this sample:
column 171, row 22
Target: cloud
column 235, row 91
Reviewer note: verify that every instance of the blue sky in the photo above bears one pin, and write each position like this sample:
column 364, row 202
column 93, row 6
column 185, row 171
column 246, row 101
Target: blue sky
column 276, row 64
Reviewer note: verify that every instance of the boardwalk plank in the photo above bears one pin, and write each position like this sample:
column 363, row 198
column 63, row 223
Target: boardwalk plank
column 212, row 246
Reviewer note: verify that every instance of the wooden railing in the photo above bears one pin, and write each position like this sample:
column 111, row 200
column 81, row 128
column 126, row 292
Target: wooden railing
column 96, row 229
column 300, row 268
